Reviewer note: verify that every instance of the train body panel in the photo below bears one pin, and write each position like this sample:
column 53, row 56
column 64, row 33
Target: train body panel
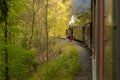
column 103, row 38
column 110, row 65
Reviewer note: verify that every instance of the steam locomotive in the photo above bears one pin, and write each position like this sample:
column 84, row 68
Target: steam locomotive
column 80, row 34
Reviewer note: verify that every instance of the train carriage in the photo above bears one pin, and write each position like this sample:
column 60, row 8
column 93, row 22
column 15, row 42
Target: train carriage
column 105, row 19
column 104, row 38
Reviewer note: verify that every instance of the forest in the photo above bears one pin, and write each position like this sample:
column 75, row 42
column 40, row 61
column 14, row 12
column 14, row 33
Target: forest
column 30, row 48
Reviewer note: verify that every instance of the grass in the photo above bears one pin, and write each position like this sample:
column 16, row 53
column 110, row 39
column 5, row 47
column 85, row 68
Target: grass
column 64, row 67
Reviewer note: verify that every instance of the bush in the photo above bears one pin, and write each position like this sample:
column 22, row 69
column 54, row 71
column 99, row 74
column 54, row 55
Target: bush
column 20, row 63
column 64, row 67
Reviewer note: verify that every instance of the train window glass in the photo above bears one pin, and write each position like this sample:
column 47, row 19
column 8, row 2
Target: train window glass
column 108, row 40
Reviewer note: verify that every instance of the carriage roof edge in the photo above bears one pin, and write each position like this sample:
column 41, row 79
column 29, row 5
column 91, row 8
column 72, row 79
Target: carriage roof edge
column 79, row 26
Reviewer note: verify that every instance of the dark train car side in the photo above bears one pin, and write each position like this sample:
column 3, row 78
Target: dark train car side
column 106, row 29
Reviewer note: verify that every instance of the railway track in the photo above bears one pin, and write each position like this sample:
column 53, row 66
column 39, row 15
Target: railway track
column 84, row 59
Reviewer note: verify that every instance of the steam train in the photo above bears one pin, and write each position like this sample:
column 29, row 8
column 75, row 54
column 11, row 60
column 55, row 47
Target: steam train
column 101, row 35
column 80, row 34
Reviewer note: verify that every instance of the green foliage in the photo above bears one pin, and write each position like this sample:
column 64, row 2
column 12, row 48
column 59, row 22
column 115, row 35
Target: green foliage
column 65, row 0
column 64, row 67
column 17, row 24
column 58, row 19
column 3, row 10
column 20, row 63
column 17, row 7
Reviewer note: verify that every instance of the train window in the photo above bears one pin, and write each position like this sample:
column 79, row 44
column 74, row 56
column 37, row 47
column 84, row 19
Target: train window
column 70, row 31
column 78, row 31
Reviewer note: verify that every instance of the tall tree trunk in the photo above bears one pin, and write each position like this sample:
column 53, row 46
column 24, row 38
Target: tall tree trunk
column 5, row 16
column 55, row 22
column 46, row 26
column 33, row 24
column 6, row 53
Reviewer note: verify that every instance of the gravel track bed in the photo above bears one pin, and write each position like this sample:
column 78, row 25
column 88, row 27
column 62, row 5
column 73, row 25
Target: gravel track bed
column 86, row 62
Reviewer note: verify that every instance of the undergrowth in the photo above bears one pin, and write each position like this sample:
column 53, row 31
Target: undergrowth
column 64, row 67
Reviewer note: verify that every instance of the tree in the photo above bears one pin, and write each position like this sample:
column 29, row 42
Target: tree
column 25, row 31
column 46, row 27
column 3, row 17
column 8, row 50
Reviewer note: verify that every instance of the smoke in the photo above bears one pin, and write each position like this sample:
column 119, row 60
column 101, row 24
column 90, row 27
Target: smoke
column 80, row 6
column 72, row 19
